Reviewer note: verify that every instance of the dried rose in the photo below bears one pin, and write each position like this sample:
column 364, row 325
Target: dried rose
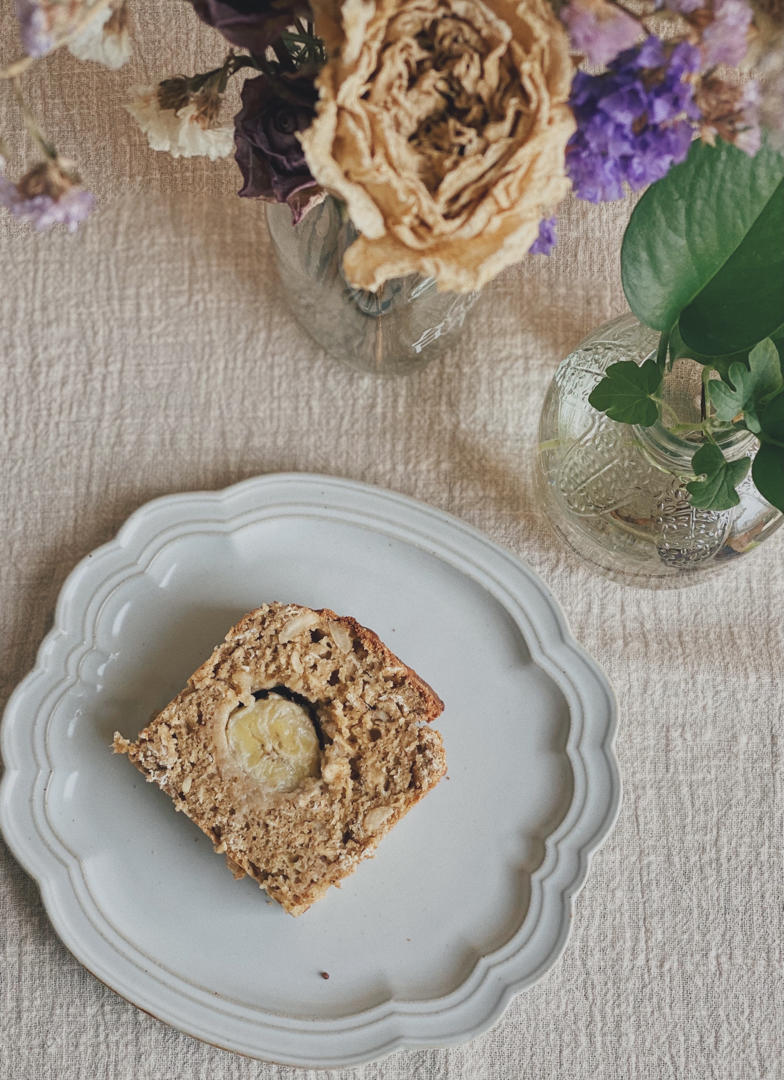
column 250, row 24
column 268, row 151
column 442, row 124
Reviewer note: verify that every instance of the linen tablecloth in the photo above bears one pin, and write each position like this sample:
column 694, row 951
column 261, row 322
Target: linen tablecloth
column 152, row 353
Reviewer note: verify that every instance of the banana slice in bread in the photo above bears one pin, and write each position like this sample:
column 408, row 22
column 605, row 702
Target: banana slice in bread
column 276, row 742
column 295, row 747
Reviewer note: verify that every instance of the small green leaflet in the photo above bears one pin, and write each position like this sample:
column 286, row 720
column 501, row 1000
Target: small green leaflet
column 749, row 386
column 729, row 400
column 625, row 392
column 717, row 490
column 767, row 472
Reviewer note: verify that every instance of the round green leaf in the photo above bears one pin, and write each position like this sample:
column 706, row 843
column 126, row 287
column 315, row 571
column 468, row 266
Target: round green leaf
column 722, row 364
column 744, row 300
column 720, row 208
column 772, row 419
column 767, row 472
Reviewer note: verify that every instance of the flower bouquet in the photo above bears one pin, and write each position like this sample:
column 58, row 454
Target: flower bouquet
column 449, row 129
column 442, row 133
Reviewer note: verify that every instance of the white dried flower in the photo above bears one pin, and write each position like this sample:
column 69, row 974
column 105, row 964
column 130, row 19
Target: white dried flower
column 159, row 125
column 197, row 139
column 189, row 131
column 105, row 38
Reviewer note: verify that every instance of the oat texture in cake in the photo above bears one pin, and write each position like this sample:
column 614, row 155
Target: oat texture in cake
column 295, row 747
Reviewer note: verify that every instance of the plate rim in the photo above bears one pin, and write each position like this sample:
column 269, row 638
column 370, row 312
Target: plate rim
column 50, row 869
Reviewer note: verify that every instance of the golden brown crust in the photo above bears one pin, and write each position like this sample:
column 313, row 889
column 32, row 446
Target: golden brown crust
column 378, row 757
column 372, row 641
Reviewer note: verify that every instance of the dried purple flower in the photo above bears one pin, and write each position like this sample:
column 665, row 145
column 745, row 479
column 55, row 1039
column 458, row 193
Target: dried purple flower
column 748, row 134
column 45, row 24
column 268, row 151
column 546, row 240
column 771, row 87
column 684, row 7
column 599, row 30
column 250, row 24
column 725, row 40
column 634, row 122
column 730, row 111
column 34, row 28
column 49, row 194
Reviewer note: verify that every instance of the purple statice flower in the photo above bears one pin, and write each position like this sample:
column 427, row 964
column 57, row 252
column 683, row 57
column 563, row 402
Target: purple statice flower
column 731, row 112
column 684, row 7
column 598, row 30
column 47, row 196
column 546, row 240
column 34, row 28
column 42, row 211
column 749, row 135
column 726, row 39
column 268, row 152
column 770, row 108
column 250, row 24
column 634, row 121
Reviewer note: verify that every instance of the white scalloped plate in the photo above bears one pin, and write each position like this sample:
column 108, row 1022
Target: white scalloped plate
column 467, row 901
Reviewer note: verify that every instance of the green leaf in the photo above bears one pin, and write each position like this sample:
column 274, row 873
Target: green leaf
column 679, row 349
column 706, row 241
column 744, row 300
column 717, row 490
column 729, row 400
column 625, row 392
column 748, row 387
column 772, row 420
column 765, row 365
column 767, row 472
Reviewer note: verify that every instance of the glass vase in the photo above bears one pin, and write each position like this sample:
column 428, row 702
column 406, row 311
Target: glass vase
column 396, row 330
column 616, row 493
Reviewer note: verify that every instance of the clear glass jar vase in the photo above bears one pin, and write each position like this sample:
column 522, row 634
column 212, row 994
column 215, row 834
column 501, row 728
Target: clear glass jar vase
column 616, row 493
column 396, row 330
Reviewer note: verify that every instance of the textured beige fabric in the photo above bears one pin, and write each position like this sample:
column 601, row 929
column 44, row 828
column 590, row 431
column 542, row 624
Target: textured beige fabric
column 151, row 354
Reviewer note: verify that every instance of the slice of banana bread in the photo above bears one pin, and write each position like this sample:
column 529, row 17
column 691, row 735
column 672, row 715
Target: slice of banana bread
column 295, row 748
